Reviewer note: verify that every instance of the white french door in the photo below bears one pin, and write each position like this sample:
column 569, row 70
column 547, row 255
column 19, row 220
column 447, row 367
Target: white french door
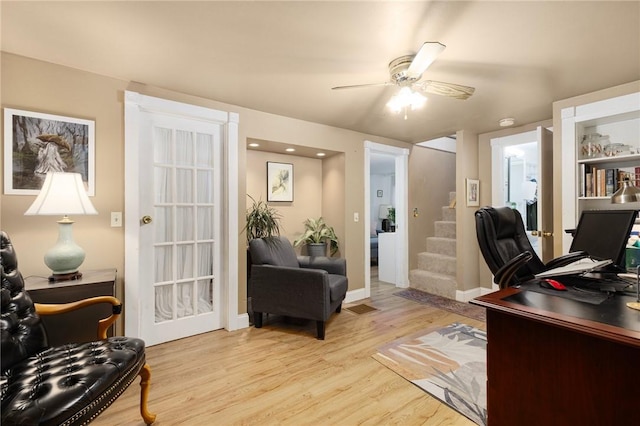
column 174, row 287
column 522, row 178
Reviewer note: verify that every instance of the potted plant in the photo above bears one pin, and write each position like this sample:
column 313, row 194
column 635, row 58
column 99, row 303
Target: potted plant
column 263, row 221
column 391, row 215
column 316, row 235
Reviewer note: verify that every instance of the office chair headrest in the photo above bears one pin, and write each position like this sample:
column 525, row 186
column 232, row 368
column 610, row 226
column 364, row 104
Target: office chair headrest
column 504, row 221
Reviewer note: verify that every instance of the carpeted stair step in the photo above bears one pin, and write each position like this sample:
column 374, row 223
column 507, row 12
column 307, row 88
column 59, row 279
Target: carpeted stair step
column 434, row 283
column 438, row 263
column 445, row 229
column 446, row 246
column 448, row 214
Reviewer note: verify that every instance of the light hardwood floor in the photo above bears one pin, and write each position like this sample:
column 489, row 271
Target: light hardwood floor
column 282, row 375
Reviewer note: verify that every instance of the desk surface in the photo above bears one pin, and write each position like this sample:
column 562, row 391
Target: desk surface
column 611, row 320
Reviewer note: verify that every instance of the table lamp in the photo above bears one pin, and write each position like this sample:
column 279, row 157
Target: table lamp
column 628, row 193
column 63, row 194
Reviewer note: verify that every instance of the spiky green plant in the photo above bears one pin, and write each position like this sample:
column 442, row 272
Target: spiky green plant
column 263, row 221
column 317, row 231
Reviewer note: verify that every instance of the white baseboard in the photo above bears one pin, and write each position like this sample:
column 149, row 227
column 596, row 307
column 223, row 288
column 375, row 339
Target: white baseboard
column 242, row 321
column 355, row 295
column 465, row 296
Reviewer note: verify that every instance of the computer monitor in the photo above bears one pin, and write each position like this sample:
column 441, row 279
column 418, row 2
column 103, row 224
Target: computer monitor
column 603, row 234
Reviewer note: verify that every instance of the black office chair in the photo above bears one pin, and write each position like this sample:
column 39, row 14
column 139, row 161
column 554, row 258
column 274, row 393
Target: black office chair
column 506, row 249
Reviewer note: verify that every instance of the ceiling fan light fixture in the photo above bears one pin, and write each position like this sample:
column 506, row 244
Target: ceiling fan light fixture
column 406, row 99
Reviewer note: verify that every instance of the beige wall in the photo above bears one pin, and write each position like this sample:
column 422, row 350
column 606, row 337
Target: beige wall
column 333, row 204
column 432, row 176
column 39, row 86
column 466, row 242
column 307, row 189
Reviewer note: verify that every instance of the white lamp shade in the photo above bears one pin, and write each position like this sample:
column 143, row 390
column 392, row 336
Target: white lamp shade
column 62, row 194
column 383, row 211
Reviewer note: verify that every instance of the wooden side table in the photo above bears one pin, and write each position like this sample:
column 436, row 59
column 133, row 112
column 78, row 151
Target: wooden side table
column 80, row 325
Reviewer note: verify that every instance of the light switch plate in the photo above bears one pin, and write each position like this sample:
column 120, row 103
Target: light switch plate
column 116, row 219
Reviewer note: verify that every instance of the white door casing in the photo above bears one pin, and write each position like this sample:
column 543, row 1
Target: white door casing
column 401, row 204
column 175, row 260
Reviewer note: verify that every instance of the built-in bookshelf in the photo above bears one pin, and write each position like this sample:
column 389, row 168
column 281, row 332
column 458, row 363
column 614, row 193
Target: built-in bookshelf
column 614, row 126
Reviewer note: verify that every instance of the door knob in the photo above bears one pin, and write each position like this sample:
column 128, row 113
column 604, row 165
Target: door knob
column 535, row 233
column 547, row 234
column 146, row 219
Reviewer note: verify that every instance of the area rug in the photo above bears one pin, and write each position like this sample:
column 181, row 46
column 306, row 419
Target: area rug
column 465, row 309
column 448, row 363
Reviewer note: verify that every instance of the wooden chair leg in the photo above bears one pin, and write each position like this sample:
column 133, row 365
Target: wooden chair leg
column 257, row 319
column 145, row 384
column 320, row 327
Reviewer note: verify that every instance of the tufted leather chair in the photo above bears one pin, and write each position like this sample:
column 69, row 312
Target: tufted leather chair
column 64, row 385
column 506, row 249
column 306, row 287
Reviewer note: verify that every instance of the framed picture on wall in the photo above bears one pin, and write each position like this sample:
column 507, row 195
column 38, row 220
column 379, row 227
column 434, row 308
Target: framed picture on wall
column 279, row 181
column 37, row 143
column 473, row 192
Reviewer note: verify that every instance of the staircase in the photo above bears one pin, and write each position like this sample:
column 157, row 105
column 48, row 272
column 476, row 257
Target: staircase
column 436, row 273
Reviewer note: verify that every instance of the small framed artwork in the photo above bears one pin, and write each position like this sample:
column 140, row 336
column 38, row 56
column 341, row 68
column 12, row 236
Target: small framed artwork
column 279, row 181
column 37, row 143
column 473, row 192
column 379, row 193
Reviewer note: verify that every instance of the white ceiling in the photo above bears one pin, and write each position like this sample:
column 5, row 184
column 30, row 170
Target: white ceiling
column 284, row 57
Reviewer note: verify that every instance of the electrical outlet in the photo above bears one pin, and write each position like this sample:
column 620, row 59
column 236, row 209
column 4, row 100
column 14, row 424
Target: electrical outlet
column 356, row 217
column 116, row 219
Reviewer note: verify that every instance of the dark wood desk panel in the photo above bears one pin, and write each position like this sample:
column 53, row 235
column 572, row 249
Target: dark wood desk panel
column 547, row 367
column 80, row 325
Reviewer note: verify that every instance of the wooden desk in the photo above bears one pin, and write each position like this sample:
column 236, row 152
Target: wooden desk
column 80, row 325
column 553, row 361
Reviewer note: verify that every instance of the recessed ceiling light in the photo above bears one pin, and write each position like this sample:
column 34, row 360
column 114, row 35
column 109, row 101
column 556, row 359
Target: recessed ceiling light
column 290, row 149
column 321, row 154
column 254, row 145
column 506, row 122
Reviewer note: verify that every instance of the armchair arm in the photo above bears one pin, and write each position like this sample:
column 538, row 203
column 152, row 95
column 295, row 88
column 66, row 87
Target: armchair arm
column 333, row 265
column 566, row 259
column 103, row 324
column 505, row 273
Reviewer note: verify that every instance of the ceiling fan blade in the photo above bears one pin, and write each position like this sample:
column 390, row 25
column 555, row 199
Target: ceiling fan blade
column 424, row 58
column 355, row 86
column 450, row 90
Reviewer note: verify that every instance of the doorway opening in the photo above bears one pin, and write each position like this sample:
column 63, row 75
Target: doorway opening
column 385, row 218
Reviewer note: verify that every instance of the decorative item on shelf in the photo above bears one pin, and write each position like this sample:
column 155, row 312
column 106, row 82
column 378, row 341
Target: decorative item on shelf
column 628, row 193
column 63, row 194
column 613, row 149
column 316, row 235
column 593, row 145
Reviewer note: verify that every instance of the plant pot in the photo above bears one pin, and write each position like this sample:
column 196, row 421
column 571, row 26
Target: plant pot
column 317, row 249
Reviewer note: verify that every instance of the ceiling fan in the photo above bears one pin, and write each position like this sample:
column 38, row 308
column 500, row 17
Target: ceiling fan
column 406, row 71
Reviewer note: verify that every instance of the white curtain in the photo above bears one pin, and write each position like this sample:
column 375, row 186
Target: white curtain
column 184, row 253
